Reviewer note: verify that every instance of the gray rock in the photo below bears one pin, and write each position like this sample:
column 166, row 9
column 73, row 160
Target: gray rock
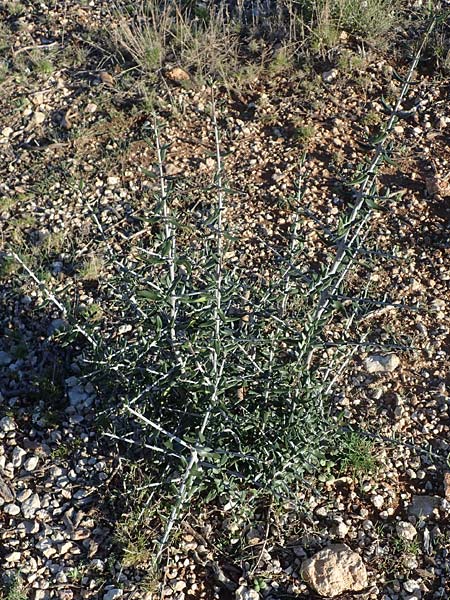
column 112, row 594
column 406, row 531
column 77, row 395
column 23, row 495
column 381, row 363
column 423, row 506
column 377, row 501
column 245, row 593
column 31, row 463
column 17, row 456
column 7, row 424
column 5, row 359
column 11, row 509
column 329, row 76
column 13, row 557
column 5, row 491
column 335, row 570
column 30, row 506
column 56, row 326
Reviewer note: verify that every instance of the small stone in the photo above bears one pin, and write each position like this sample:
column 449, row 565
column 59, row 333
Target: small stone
column 447, row 486
column 379, row 363
column 65, row 547
column 17, row 456
column 13, row 557
column 377, row 501
column 106, row 78
column 23, row 495
column 340, row 530
column 66, row 122
column 335, row 570
column 423, row 506
column 112, row 181
column 330, row 76
column 65, row 594
column 112, row 594
column 11, row 509
column 406, row 531
column 7, row 424
column 38, row 98
column 5, row 359
column 77, row 395
column 5, row 491
column 56, row 326
column 179, row 586
column 173, row 170
column 49, row 552
column 30, row 506
column 7, row 131
column 254, row 536
column 399, row 129
column 411, row 586
column 31, row 463
column 177, row 74
column 434, row 186
column 31, row 527
column 245, row 593
column 39, row 117
column 91, row 107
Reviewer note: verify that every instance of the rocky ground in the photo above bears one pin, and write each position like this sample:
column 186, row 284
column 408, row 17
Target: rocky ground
column 73, row 193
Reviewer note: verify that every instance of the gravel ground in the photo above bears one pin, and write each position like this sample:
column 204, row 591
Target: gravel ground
column 74, row 190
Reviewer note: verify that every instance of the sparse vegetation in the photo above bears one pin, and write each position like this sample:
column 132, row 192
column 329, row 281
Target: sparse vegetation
column 14, row 589
column 357, row 455
column 211, row 241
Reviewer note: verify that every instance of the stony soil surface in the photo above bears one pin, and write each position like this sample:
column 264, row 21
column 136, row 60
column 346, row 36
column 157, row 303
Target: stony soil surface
column 73, row 192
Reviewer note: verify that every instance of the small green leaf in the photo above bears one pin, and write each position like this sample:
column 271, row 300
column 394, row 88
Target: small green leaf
column 149, row 294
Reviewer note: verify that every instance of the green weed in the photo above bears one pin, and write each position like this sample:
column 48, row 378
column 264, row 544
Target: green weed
column 14, row 589
column 357, row 455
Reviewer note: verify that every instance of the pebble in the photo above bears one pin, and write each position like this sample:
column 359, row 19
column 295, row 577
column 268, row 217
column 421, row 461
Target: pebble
column 406, row 531
column 423, row 506
column 245, row 593
column 39, row 117
column 23, row 495
column 329, row 76
column 55, row 326
column 112, row 594
column 30, row 506
column 5, row 358
column 17, row 456
column 11, row 509
column 7, row 424
column 106, row 78
column 31, row 463
column 447, row 486
column 340, row 529
column 379, row 363
column 411, row 586
column 13, row 557
column 6, row 132
column 377, row 501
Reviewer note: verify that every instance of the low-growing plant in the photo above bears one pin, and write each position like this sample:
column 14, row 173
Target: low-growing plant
column 219, row 377
column 13, row 588
column 357, row 455
column 155, row 30
column 303, row 134
column 92, row 268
